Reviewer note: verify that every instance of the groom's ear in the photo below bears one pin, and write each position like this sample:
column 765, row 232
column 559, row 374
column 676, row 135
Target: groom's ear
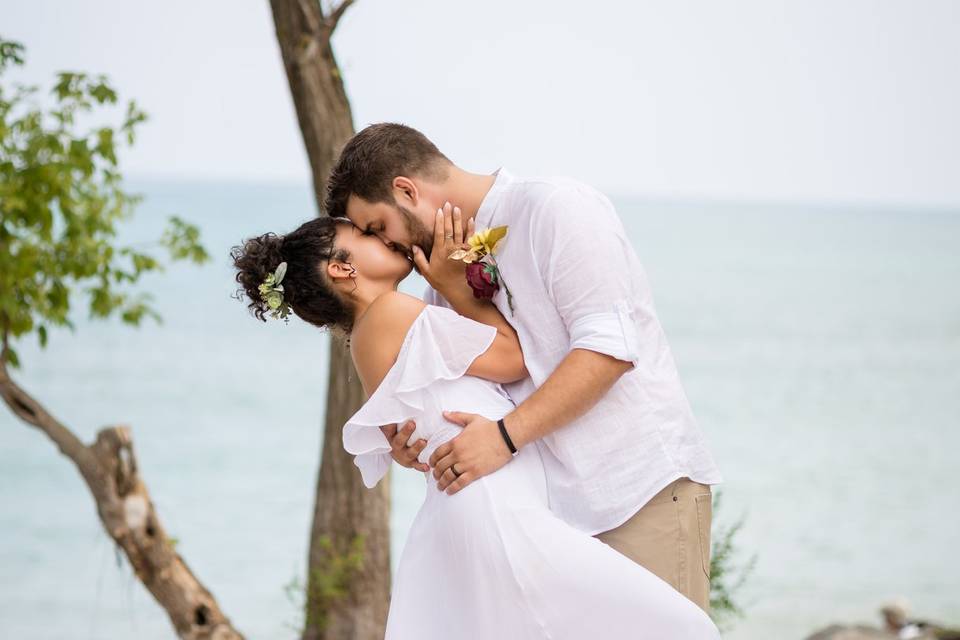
column 405, row 191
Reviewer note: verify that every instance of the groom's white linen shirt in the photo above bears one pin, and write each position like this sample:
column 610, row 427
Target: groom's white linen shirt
column 577, row 283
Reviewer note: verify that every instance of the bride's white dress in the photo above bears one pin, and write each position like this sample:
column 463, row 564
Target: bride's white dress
column 491, row 562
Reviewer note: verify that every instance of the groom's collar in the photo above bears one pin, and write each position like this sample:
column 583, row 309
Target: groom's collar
column 489, row 203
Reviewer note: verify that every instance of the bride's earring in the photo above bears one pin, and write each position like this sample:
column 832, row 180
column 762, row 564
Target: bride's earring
column 353, row 274
column 349, row 366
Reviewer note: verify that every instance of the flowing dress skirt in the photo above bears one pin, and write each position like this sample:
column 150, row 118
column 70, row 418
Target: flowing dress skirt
column 491, row 562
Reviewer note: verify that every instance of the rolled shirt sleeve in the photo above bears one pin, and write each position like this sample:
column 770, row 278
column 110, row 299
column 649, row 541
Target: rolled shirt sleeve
column 586, row 262
column 613, row 333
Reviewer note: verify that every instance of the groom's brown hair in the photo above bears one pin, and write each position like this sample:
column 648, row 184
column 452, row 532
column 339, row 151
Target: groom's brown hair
column 372, row 158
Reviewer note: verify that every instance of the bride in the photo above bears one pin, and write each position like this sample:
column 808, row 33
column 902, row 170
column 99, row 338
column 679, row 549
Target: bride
column 490, row 561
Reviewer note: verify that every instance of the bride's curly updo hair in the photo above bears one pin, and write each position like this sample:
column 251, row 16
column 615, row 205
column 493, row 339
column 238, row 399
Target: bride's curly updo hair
column 306, row 287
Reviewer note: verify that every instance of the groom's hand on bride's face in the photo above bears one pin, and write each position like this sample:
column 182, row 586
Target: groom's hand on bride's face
column 449, row 234
column 399, row 451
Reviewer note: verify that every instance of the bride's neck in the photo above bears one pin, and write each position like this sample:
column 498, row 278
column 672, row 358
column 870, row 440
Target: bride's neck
column 362, row 299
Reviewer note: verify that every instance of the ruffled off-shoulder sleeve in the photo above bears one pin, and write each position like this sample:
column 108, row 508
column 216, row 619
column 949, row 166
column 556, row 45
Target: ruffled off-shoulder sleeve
column 440, row 345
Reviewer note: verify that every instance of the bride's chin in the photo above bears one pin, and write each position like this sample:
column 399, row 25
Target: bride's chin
column 406, row 266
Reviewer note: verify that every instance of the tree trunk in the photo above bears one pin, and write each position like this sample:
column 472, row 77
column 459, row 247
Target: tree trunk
column 109, row 467
column 343, row 600
column 323, row 111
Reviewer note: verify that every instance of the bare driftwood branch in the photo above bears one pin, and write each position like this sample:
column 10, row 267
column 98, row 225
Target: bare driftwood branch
column 109, row 467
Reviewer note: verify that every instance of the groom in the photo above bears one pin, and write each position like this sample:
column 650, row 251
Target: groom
column 624, row 458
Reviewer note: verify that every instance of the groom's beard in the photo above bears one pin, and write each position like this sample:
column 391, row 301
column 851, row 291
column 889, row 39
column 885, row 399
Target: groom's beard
column 419, row 235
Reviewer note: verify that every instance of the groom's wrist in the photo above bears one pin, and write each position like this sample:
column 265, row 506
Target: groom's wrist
column 513, row 424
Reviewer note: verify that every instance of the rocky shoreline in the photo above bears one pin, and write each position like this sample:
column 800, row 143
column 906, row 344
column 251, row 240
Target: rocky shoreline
column 897, row 625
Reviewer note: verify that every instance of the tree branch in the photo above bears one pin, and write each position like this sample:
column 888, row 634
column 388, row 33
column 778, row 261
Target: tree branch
column 336, row 13
column 126, row 511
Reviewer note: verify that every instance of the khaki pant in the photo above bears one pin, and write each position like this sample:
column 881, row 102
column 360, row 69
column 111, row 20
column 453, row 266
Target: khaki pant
column 670, row 536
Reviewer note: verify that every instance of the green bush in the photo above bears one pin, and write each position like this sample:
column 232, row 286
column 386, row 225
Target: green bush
column 727, row 574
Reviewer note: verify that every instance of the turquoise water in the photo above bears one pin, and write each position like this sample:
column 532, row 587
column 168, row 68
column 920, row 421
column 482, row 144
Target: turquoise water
column 819, row 346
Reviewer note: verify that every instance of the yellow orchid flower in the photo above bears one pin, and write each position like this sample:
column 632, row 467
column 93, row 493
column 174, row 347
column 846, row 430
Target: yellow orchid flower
column 486, row 241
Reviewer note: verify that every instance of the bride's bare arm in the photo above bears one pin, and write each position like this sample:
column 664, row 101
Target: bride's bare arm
column 449, row 233
column 387, row 322
column 503, row 361
column 376, row 343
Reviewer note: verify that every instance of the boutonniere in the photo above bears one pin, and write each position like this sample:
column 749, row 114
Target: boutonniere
column 483, row 274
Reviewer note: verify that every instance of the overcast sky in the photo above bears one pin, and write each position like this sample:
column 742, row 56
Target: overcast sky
column 825, row 100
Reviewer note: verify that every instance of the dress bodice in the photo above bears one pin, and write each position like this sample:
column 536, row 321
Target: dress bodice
column 427, row 378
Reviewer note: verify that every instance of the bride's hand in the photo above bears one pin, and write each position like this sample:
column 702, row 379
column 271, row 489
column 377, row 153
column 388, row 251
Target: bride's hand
column 399, row 451
column 449, row 234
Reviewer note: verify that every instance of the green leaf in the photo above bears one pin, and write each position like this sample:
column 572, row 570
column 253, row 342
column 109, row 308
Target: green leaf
column 13, row 358
column 62, row 201
column 280, row 271
column 11, row 53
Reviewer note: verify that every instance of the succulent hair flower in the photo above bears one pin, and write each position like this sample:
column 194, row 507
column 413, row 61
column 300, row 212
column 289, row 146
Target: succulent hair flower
column 271, row 292
column 483, row 274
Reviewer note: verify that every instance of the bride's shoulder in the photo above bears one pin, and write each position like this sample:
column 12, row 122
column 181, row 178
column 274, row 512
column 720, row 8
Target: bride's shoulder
column 376, row 340
column 393, row 309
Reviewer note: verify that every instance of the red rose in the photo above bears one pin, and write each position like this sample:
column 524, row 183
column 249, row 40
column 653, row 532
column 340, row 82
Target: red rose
column 482, row 279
